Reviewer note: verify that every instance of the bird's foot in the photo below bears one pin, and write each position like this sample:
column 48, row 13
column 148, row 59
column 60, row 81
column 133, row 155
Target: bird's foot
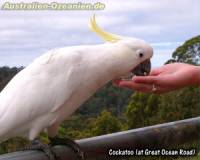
column 69, row 143
column 37, row 145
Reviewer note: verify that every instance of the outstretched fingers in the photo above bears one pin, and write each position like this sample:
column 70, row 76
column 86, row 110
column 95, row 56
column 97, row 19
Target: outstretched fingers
column 145, row 79
column 141, row 87
column 135, row 86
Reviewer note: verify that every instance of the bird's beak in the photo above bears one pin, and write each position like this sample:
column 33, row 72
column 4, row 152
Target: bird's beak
column 143, row 69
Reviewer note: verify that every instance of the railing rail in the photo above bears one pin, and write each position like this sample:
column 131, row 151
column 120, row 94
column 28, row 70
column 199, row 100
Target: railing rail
column 159, row 136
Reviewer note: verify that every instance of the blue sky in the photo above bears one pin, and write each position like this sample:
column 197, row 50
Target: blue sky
column 166, row 24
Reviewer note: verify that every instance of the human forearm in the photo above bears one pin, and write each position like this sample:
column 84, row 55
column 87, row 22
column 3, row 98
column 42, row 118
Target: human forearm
column 197, row 75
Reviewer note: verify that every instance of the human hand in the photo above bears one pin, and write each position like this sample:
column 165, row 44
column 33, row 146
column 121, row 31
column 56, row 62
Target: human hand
column 164, row 79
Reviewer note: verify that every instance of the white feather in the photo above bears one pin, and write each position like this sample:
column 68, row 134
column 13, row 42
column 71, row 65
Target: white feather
column 50, row 89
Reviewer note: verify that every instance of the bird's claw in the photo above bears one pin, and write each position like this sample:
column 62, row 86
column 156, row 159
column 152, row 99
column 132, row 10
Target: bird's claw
column 69, row 143
column 37, row 145
column 47, row 149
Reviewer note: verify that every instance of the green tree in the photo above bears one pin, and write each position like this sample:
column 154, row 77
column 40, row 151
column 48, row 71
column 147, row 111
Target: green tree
column 12, row 145
column 180, row 104
column 142, row 110
column 105, row 123
column 189, row 52
column 115, row 100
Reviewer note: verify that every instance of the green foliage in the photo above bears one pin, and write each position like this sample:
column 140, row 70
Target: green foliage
column 105, row 123
column 149, row 109
column 76, row 127
column 115, row 100
column 142, row 110
column 180, row 104
column 189, row 52
column 12, row 145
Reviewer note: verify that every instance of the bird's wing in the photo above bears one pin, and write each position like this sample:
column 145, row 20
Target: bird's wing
column 39, row 89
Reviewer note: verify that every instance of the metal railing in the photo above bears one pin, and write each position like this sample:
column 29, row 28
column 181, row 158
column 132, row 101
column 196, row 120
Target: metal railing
column 159, row 136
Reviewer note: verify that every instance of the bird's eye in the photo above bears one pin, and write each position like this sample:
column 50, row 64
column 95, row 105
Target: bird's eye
column 141, row 55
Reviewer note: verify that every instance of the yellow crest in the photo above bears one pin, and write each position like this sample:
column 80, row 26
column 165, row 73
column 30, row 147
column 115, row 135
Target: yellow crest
column 106, row 36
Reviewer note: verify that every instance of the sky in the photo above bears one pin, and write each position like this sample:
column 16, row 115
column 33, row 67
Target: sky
column 166, row 24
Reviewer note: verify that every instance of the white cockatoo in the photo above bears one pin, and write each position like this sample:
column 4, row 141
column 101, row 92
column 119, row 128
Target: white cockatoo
column 55, row 84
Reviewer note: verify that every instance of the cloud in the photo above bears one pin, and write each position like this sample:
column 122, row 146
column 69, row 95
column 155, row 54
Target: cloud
column 24, row 35
column 166, row 44
column 160, row 57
